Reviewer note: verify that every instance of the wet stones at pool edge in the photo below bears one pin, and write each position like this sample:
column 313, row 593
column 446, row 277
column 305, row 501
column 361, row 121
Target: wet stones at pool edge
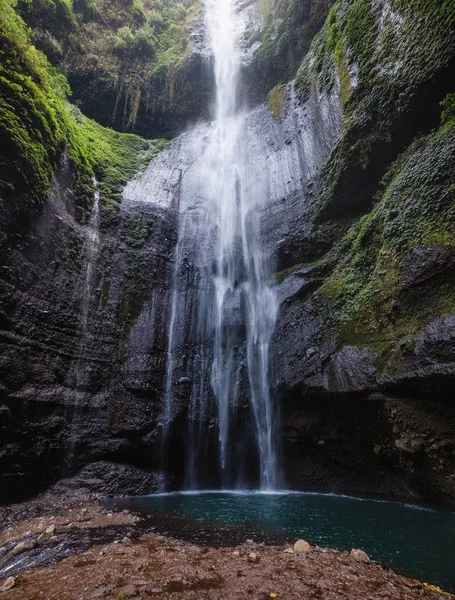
column 302, row 546
column 359, row 555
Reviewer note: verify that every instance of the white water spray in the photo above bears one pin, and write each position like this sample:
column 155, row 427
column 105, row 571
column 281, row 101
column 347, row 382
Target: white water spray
column 220, row 238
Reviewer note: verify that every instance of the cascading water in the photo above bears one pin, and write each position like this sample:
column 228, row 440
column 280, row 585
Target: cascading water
column 223, row 308
column 79, row 373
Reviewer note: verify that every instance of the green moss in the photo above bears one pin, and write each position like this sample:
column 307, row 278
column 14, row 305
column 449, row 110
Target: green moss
column 393, row 52
column 133, row 289
column 342, row 71
column 37, row 124
column 415, row 209
column 448, row 108
column 116, row 158
column 360, row 32
column 133, row 231
column 319, row 67
column 289, row 27
column 276, row 99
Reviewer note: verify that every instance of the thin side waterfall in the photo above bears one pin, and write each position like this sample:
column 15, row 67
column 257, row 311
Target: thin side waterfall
column 223, row 308
column 92, row 243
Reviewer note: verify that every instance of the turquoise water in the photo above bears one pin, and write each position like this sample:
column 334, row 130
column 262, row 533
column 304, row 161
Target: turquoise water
column 416, row 540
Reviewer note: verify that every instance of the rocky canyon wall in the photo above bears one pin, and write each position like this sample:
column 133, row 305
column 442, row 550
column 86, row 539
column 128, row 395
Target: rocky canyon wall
column 358, row 219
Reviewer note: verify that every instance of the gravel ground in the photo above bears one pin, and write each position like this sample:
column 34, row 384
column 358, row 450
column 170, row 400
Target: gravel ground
column 127, row 563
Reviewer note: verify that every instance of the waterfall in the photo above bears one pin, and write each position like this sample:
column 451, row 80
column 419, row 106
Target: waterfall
column 223, row 308
column 79, row 372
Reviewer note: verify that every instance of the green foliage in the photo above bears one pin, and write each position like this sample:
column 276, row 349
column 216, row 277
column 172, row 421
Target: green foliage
column 448, row 108
column 31, row 115
column 124, row 41
column 116, row 158
column 127, row 57
column 48, row 14
column 37, row 124
column 137, row 13
column 144, row 42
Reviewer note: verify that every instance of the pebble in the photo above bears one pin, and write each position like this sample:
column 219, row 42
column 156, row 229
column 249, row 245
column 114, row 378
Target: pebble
column 289, row 551
column 47, row 533
column 302, row 546
column 9, row 583
column 359, row 555
column 129, row 591
column 253, row 557
column 23, row 547
column 236, row 553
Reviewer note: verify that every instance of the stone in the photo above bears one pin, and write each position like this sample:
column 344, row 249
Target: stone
column 9, row 583
column 126, row 540
column 359, row 555
column 236, row 553
column 127, row 591
column 289, row 551
column 253, row 557
column 302, row 546
column 23, row 547
column 47, row 533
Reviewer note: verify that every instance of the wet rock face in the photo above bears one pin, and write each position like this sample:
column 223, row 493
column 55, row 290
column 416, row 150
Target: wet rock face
column 83, row 368
column 338, row 433
column 72, row 393
column 370, row 444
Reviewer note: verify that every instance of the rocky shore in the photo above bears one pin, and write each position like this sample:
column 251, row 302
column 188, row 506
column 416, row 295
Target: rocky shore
column 82, row 550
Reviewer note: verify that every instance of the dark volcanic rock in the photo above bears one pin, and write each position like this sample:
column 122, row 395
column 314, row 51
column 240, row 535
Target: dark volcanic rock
column 421, row 264
column 80, row 368
column 350, row 370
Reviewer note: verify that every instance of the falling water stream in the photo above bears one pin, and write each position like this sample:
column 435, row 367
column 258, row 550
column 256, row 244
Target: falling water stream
column 220, row 254
column 80, row 373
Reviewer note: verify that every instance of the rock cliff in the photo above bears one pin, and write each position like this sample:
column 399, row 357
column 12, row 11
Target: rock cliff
column 358, row 218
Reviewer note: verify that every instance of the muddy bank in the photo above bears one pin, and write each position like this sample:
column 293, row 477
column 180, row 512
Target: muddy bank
column 96, row 553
